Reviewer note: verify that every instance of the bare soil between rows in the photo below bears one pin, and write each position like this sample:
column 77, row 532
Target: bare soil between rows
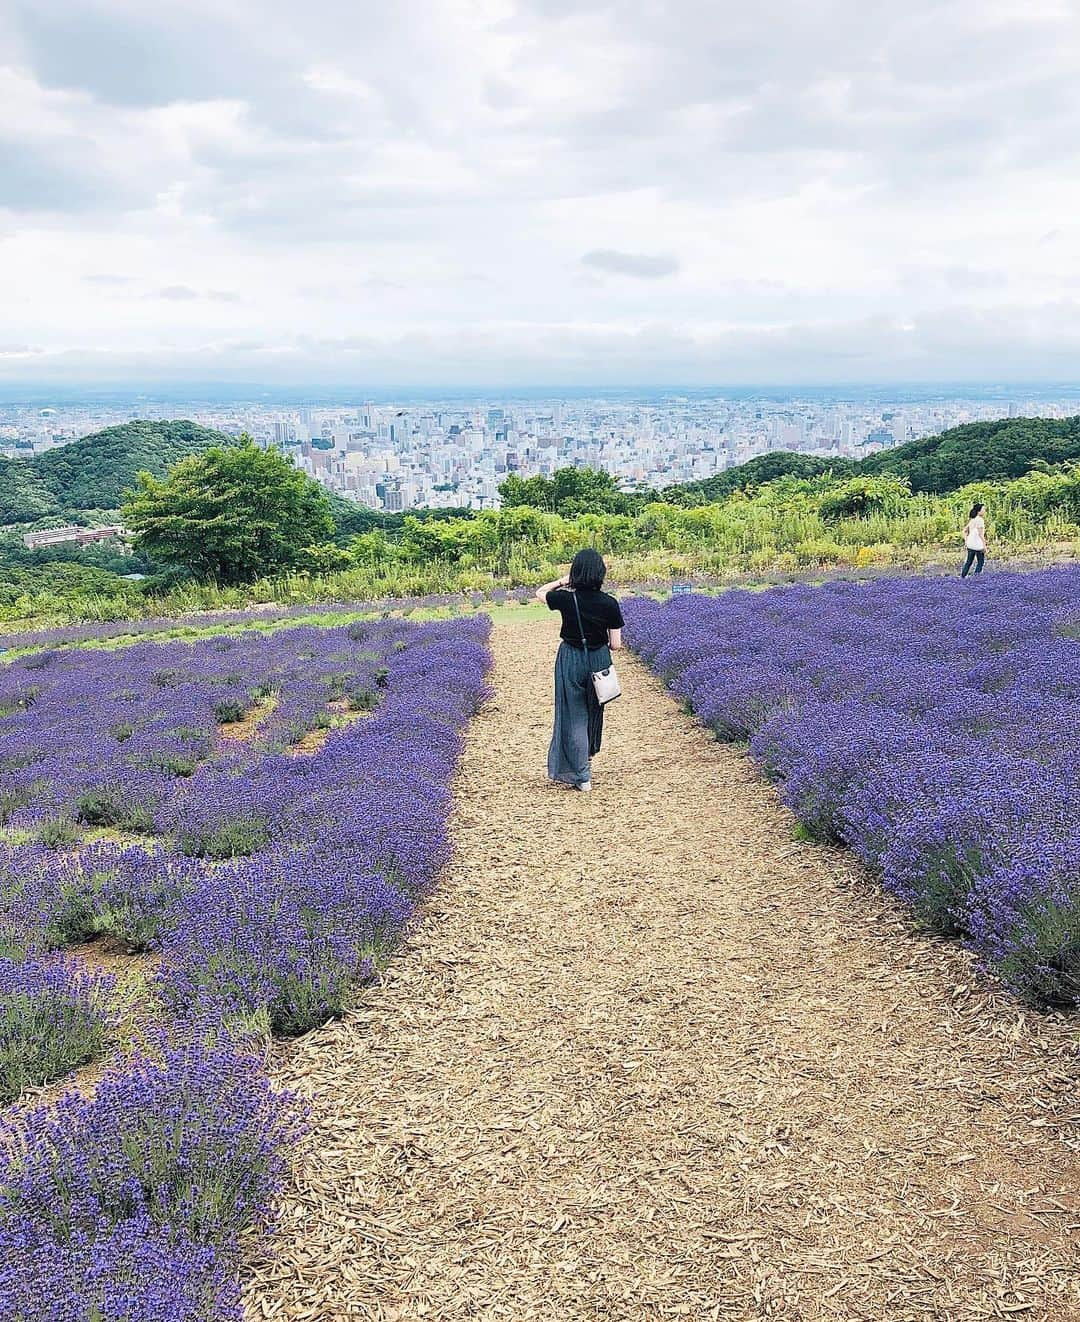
column 647, row 1056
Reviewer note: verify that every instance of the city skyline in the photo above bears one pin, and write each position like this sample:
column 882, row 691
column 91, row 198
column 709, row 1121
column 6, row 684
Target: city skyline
column 454, row 453
column 512, row 194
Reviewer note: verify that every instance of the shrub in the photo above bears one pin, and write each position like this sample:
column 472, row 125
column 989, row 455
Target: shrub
column 243, row 834
column 133, row 1272
column 53, row 1018
column 195, row 1141
column 121, row 804
column 59, row 833
column 1024, row 917
column 230, row 710
column 119, row 891
column 286, row 939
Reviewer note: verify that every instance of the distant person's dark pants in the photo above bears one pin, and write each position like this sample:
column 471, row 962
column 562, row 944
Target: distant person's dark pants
column 976, row 558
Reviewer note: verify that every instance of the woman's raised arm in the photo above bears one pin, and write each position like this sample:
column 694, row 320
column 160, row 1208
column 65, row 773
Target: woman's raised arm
column 541, row 593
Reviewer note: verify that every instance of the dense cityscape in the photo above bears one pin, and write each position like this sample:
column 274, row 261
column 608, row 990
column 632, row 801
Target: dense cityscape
column 455, row 453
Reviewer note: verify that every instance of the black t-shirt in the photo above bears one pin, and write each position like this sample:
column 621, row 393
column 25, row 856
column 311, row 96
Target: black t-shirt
column 599, row 613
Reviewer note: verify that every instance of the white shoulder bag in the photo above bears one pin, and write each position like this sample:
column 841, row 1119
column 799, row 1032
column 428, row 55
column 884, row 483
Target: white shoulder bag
column 605, row 682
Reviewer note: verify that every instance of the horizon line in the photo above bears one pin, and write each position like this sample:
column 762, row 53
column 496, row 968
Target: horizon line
column 147, row 389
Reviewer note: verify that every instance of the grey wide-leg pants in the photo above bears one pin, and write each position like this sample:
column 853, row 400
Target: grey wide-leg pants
column 579, row 718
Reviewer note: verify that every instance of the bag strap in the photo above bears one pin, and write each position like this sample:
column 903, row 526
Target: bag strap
column 581, row 627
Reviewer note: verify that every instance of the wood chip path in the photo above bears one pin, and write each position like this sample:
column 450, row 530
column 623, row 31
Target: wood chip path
column 647, row 1056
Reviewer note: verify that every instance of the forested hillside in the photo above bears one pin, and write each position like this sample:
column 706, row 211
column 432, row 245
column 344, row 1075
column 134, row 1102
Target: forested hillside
column 755, row 473
column 23, row 496
column 975, row 452
column 94, row 472
column 1007, row 447
column 91, row 474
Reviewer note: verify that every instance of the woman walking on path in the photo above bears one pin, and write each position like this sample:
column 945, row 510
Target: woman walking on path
column 579, row 717
column 975, row 540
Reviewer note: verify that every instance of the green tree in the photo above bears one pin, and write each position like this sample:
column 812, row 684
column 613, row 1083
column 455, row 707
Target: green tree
column 859, row 497
column 234, row 513
column 23, row 496
column 569, row 492
column 535, row 492
column 585, row 491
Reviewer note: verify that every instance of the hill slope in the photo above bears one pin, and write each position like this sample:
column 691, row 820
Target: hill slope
column 23, row 496
column 92, row 473
column 88, row 477
column 1004, row 448
column 754, row 473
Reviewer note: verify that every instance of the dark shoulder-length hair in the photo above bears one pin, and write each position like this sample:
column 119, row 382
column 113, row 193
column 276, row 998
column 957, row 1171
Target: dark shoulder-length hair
column 976, row 509
column 588, row 571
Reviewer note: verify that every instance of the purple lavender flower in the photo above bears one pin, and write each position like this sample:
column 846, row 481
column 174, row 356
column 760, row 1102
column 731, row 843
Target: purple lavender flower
column 327, row 853
column 133, row 1272
column 1023, row 913
column 122, row 891
column 932, row 726
column 54, row 1017
column 196, row 1141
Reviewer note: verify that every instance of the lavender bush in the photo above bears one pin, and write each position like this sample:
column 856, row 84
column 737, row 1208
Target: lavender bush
column 932, row 725
column 54, row 1017
column 354, row 835
column 133, row 1272
column 109, row 737
column 286, row 936
column 195, row 1141
column 29, row 899
column 73, row 634
column 121, row 891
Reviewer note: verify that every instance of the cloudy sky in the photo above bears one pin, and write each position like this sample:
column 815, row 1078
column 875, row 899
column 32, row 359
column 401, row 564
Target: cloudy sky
column 499, row 192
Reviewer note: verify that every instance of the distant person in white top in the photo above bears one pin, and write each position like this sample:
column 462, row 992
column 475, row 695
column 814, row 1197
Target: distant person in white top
column 975, row 540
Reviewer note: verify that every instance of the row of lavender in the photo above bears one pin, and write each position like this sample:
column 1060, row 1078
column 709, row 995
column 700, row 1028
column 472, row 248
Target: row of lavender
column 125, row 737
column 933, row 726
column 271, row 613
column 273, row 884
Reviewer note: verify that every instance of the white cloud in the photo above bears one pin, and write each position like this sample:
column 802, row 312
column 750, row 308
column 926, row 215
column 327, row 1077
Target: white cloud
column 175, row 293
column 498, row 188
column 644, row 266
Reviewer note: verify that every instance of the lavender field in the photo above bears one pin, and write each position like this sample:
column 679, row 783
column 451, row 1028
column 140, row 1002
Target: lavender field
column 930, row 725
column 268, row 614
column 261, row 812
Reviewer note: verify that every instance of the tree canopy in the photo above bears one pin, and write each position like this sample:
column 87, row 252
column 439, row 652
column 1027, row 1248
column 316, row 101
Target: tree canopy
column 755, row 473
column 233, row 514
column 974, row 452
column 569, row 492
column 979, row 451
column 24, row 498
